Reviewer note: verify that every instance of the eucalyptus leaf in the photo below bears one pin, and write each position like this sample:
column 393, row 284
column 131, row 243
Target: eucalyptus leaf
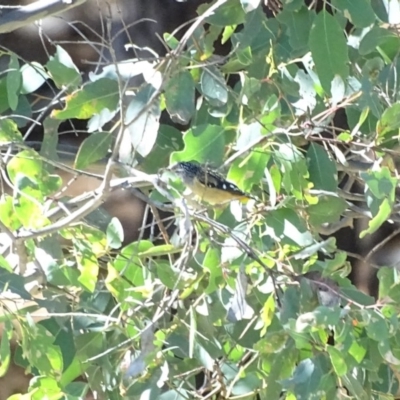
column 14, row 79
column 94, row 148
column 91, row 99
column 213, row 86
column 142, row 123
column 329, row 49
column 179, row 97
column 62, row 70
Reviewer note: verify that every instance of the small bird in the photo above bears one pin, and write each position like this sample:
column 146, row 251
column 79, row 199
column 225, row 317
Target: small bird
column 209, row 185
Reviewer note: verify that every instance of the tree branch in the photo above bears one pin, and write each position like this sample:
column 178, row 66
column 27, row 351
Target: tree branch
column 19, row 17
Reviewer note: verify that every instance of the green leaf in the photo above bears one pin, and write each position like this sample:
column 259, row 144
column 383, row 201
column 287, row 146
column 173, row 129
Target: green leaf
column 274, row 386
column 329, row 49
column 322, row 169
column 359, row 12
column 285, row 226
column 376, row 327
column 305, row 380
column 256, row 35
column 293, row 168
column 387, row 279
column 213, row 86
column 48, row 149
column 179, row 97
column 90, row 344
column 128, row 264
column 268, row 311
column 171, row 41
column 9, row 131
column 355, row 386
column 63, row 71
column 298, row 25
column 63, row 338
column 94, row 148
column 354, row 294
column 377, row 37
column 3, row 262
column 45, row 386
column 244, row 56
column 358, row 349
column 3, row 95
column 337, row 360
column 212, row 264
column 229, row 13
column 169, row 139
column 203, row 143
column 326, row 245
column 14, row 283
column 115, row 234
column 76, row 390
column 369, row 99
column 89, row 269
column 380, row 197
column 380, row 183
column 90, row 100
column 394, row 292
column 160, row 250
column 7, row 213
column 390, row 120
column 27, row 206
column 22, row 114
column 249, row 173
column 328, row 209
column 322, row 316
column 169, row 277
column 14, row 79
column 29, row 164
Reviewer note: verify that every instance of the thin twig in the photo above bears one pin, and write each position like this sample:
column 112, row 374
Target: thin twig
column 380, row 245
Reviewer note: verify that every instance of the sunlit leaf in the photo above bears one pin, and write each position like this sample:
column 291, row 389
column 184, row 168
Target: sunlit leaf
column 33, row 77
column 90, row 100
column 203, row 143
column 115, row 233
column 390, row 120
column 142, row 123
column 9, row 131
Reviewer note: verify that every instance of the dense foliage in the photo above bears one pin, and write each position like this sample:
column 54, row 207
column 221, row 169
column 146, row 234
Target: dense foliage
column 226, row 302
